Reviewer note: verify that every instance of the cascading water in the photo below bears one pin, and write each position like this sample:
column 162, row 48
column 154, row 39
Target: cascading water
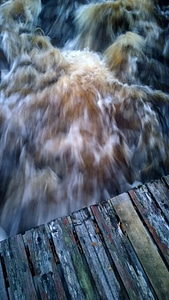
column 79, row 125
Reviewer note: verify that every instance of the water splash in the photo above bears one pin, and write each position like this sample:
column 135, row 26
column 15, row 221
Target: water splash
column 74, row 129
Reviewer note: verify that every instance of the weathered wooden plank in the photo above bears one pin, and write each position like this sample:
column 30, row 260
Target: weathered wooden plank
column 146, row 250
column 131, row 272
column 103, row 252
column 153, row 218
column 44, row 264
column 166, row 179
column 3, row 286
column 100, row 262
column 17, row 268
column 160, row 191
column 46, row 287
column 76, row 272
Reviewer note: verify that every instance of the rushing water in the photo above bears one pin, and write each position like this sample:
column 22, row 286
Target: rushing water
column 79, row 125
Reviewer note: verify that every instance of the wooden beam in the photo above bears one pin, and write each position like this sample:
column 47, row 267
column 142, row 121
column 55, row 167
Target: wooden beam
column 145, row 248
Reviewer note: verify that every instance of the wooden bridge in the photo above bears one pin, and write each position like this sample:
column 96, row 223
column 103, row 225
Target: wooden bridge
column 116, row 250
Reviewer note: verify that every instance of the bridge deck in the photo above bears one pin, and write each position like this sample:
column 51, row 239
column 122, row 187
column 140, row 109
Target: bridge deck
column 116, row 250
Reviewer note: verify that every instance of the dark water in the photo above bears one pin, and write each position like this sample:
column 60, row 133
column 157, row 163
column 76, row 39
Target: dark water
column 84, row 111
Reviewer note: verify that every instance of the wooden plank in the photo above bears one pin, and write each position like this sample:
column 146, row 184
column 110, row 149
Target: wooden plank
column 131, row 272
column 153, row 218
column 3, row 285
column 166, row 179
column 160, row 191
column 76, row 272
column 20, row 280
column 44, row 263
column 146, row 250
column 98, row 258
column 93, row 253
column 46, row 287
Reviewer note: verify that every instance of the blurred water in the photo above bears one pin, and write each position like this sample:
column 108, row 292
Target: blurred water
column 78, row 126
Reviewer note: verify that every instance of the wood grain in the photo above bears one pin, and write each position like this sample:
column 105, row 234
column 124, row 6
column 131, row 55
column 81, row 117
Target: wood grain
column 146, row 250
column 118, row 249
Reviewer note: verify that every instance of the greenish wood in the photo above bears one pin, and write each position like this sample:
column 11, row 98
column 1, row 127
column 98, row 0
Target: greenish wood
column 146, row 250
column 115, row 250
column 153, row 217
column 44, row 264
column 125, row 259
column 98, row 258
column 21, row 286
column 76, row 271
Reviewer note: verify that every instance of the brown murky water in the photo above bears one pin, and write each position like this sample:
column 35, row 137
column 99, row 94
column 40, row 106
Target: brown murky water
column 78, row 126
